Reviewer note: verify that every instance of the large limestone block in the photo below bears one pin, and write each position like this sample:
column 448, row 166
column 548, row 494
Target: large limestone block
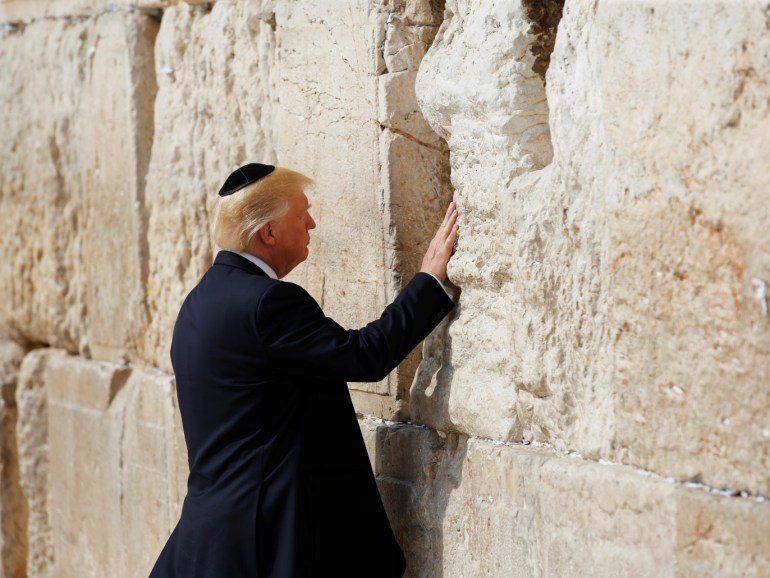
column 496, row 125
column 688, row 260
column 84, row 464
column 38, row 183
column 154, row 470
column 34, row 464
column 681, row 233
column 13, row 511
column 104, row 465
column 116, row 139
column 23, row 11
column 468, row 507
column 119, row 470
column 19, row 12
column 417, row 470
column 76, row 148
column 614, row 300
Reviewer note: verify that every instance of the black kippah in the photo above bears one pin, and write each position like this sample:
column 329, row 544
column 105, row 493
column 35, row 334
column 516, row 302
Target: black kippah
column 244, row 176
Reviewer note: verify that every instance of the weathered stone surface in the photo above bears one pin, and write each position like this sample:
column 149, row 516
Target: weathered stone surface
column 34, row 465
column 20, row 12
column 721, row 536
column 75, row 156
column 417, row 471
column 614, row 267
column 476, row 508
column 13, row 511
column 84, row 467
column 154, row 470
column 114, row 148
column 688, row 243
column 613, row 260
column 495, row 123
column 414, row 169
column 133, row 438
column 104, row 465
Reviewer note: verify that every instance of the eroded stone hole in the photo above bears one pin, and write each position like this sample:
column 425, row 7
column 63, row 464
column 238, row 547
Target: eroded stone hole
column 545, row 16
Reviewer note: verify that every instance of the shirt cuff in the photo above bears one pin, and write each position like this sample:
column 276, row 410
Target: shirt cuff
column 448, row 290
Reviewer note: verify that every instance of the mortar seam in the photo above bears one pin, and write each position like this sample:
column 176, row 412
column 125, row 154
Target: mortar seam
column 641, row 472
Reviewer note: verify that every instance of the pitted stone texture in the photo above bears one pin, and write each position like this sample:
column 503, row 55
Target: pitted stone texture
column 617, row 294
column 689, row 241
column 39, row 282
column 154, row 469
column 465, row 507
column 123, row 425
column 103, row 465
column 13, row 508
column 75, row 152
column 500, row 101
column 496, row 127
column 34, row 464
column 84, row 464
column 21, row 12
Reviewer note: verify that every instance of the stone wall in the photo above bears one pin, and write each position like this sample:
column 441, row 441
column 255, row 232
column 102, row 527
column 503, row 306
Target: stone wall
column 597, row 405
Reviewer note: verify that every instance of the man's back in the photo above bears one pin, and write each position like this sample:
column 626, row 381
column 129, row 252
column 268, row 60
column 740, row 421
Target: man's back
column 271, row 491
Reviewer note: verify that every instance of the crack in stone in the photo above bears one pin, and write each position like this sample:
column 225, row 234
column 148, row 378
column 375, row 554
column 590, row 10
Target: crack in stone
column 412, row 138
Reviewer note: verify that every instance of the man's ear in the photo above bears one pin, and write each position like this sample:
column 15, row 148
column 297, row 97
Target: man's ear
column 266, row 234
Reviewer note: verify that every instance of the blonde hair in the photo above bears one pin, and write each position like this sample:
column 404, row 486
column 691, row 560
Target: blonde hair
column 238, row 217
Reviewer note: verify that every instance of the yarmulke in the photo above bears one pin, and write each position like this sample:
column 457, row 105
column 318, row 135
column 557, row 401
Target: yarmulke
column 243, row 177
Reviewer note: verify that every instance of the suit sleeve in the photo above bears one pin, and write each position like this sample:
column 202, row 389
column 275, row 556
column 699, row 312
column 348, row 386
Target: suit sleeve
column 299, row 338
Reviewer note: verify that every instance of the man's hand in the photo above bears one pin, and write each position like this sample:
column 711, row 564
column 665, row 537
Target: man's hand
column 440, row 249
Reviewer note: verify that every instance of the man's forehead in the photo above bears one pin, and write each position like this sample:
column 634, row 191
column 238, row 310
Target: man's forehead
column 301, row 198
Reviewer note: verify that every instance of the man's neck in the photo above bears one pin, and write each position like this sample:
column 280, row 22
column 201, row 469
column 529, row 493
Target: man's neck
column 261, row 263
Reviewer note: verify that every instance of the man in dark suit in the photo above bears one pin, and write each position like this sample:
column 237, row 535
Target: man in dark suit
column 280, row 483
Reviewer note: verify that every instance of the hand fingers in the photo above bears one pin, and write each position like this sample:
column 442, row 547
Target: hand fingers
column 449, row 220
column 451, row 209
column 450, row 240
column 447, row 230
column 446, row 235
column 442, row 245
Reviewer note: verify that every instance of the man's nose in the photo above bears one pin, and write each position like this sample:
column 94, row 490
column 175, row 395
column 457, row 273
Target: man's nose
column 310, row 222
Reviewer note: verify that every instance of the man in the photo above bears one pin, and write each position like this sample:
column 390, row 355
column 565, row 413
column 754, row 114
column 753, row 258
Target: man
column 280, row 482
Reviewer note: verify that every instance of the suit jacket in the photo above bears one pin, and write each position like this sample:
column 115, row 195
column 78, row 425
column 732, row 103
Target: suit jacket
column 280, row 482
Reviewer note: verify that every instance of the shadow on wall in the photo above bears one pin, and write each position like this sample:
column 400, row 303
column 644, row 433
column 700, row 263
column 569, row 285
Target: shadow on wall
column 545, row 16
column 418, row 468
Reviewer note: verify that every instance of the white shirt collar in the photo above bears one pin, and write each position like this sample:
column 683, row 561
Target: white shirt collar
column 259, row 263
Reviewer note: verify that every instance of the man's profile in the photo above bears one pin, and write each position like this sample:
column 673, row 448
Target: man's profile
column 272, row 492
